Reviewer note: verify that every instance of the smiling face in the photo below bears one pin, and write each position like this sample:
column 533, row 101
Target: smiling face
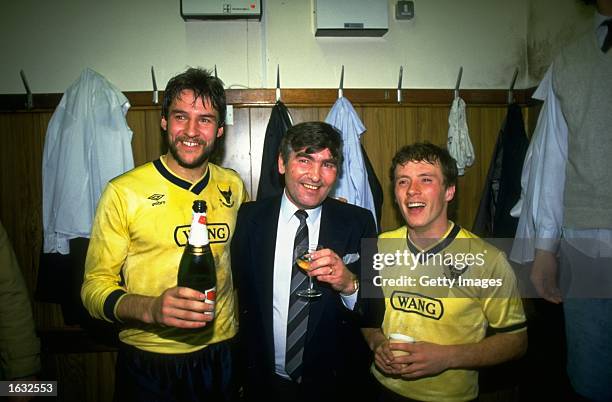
column 423, row 198
column 192, row 129
column 308, row 177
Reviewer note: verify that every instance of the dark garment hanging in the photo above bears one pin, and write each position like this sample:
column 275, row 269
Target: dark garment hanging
column 271, row 182
column 503, row 184
column 60, row 278
column 375, row 187
column 501, row 192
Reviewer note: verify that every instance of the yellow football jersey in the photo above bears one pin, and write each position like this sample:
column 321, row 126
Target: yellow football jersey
column 449, row 294
column 139, row 233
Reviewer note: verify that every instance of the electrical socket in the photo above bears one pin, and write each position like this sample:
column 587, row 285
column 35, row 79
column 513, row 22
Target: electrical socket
column 229, row 115
column 404, row 10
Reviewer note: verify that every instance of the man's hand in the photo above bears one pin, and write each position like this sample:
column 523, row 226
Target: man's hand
column 544, row 276
column 379, row 344
column 183, row 308
column 424, row 359
column 178, row 307
column 328, row 267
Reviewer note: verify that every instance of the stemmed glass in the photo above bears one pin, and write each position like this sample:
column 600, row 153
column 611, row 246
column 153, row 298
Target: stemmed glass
column 303, row 261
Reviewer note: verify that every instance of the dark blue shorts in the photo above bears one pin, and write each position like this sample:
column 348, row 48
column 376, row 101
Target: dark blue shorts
column 204, row 375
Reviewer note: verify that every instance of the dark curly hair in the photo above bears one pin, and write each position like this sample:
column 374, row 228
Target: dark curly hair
column 204, row 86
column 313, row 137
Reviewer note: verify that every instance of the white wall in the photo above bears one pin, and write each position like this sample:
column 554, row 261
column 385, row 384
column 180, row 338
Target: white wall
column 551, row 25
column 54, row 40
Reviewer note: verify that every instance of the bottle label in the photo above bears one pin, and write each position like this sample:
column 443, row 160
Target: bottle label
column 211, row 295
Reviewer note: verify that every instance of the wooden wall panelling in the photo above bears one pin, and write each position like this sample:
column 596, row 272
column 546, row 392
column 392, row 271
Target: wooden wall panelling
column 236, row 146
column 81, row 376
column 303, row 114
column 302, row 96
column 380, row 142
column 469, row 186
column 258, row 121
column 432, row 124
column 21, row 205
column 147, row 141
column 136, row 121
column 155, row 142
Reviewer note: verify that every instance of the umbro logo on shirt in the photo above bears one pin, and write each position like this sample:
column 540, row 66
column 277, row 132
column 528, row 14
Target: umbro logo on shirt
column 157, row 198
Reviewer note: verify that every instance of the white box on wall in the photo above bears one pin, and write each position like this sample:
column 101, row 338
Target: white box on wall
column 351, row 17
column 220, row 9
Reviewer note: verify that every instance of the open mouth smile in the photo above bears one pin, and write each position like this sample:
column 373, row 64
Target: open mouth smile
column 310, row 186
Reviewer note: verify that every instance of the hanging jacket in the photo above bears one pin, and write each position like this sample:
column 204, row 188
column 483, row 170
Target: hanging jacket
column 352, row 184
column 88, row 142
column 503, row 184
column 377, row 191
column 270, row 180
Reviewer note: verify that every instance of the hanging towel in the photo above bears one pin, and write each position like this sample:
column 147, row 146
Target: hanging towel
column 88, row 142
column 459, row 144
column 270, row 180
column 503, row 184
column 352, row 184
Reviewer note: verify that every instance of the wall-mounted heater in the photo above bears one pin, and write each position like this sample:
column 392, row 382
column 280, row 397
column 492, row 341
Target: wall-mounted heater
column 220, row 9
column 351, row 17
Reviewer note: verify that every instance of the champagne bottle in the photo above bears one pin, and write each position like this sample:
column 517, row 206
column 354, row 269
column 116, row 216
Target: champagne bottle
column 197, row 266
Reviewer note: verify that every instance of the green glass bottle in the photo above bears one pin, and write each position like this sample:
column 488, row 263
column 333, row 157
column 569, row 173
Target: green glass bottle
column 197, row 267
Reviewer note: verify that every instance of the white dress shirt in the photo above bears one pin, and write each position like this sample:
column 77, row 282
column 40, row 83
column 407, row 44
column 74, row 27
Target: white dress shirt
column 88, row 142
column 540, row 209
column 288, row 224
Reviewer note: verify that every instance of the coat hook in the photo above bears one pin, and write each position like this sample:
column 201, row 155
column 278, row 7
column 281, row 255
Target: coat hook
column 278, row 91
column 216, row 71
column 399, row 85
column 155, row 91
column 29, row 104
column 341, row 87
column 458, row 82
column 511, row 89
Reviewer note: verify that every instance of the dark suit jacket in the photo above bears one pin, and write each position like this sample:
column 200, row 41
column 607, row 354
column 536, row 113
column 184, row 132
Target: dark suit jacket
column 334, row 351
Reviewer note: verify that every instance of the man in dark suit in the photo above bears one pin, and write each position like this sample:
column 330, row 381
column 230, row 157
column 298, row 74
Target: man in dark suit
column 296, row 348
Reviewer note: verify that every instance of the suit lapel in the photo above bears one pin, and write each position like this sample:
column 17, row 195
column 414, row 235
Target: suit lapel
column 265, row 240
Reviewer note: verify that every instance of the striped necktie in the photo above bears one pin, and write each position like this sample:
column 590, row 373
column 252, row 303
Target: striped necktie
column 297, row 319
column 608, row 41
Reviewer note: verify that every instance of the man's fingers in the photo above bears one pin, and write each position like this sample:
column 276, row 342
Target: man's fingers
column 546, row 290
column 187, row 293
column 183, row 308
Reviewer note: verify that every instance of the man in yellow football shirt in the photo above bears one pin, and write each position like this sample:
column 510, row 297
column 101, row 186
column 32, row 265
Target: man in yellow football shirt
column 443, row 287
column 171, row 348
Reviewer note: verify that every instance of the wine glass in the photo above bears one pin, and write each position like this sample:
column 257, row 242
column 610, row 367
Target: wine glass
column 303, row 261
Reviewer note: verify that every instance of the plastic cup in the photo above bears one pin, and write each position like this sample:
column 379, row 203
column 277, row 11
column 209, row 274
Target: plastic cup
column 400, row 338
